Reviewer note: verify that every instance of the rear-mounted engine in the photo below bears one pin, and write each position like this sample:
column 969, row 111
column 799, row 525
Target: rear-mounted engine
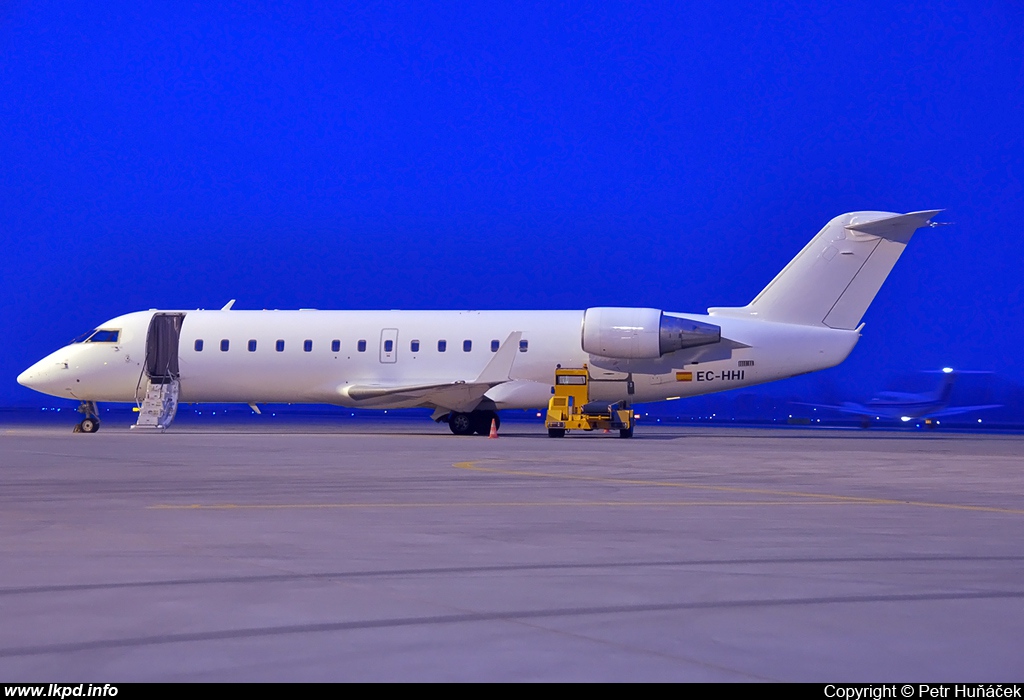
column 629, row 333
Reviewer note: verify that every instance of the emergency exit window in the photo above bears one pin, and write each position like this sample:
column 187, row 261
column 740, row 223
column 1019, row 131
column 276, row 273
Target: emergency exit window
column 389, row 345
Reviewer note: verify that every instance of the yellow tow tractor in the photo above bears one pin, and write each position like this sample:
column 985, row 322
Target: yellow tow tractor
column 571, row 408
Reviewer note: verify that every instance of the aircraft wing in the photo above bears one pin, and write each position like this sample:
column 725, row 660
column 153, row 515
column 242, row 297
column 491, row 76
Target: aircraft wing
column 957, row 410
column 848, row 407
column 454, row 396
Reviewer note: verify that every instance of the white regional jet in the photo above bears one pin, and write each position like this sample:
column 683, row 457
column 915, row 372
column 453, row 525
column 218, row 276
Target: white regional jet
column 466, row 365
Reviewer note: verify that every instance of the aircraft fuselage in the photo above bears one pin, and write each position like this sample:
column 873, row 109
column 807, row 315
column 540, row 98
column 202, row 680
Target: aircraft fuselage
column 314, row 356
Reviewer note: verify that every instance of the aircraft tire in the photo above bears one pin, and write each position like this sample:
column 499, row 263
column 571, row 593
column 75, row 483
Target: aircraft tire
column 461, row 423
column 89, row 425
column 556, row 432
column 626, row 432
column 482, row 421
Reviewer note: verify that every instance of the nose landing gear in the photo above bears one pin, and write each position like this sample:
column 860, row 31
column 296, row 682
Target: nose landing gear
column 91, row 422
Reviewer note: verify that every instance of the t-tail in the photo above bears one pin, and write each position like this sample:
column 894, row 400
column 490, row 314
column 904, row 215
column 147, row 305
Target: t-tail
column 832, row 281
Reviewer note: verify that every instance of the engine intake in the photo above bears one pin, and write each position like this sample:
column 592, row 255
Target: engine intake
column 638, row 333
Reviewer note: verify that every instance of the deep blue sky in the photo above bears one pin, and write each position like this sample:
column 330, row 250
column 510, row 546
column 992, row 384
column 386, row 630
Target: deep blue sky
column 506, row 155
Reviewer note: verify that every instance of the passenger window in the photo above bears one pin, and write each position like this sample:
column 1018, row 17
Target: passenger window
column 252, row 346
column 495, row 345
column 280, row 346
column 308, row 346
column 524, row 345
column 199, row 346
column 442, row 345
column 335, row 345
column 389, row 345
column 467, row 345
column 224, row 345
column 361, row 346
column 414, row 346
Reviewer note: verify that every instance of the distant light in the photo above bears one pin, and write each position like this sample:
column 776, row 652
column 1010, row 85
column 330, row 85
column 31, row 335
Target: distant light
column 905, row 418
column 947, row 370
column 979, row 420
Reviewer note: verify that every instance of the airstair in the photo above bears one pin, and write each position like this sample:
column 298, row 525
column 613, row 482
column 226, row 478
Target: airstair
column 159, row 405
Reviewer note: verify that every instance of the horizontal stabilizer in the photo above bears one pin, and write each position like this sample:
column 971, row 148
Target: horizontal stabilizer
column 895, row 228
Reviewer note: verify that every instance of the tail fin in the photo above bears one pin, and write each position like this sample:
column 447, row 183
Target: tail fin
column 945, row 390
column 835, row 277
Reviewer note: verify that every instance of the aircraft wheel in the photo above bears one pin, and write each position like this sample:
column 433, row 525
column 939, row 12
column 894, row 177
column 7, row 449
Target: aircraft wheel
column 482, row 421
column 461, row 423
column 626, row 432
column 89, row 425
column 556, row 432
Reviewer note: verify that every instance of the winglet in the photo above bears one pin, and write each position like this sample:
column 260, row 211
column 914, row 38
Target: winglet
column 227, row 307
column 499, row 369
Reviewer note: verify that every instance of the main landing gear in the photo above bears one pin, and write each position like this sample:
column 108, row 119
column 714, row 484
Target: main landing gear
column 478, row 422
column 91, row 422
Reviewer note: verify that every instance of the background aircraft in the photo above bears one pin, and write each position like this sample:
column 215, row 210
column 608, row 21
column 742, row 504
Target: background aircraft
column 906, row 406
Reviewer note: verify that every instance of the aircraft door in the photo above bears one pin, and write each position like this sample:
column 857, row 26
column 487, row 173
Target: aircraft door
column 162, row 347
column 389, row 345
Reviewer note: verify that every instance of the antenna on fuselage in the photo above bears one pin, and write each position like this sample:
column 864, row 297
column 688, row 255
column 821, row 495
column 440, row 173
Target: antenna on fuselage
column 227, row 307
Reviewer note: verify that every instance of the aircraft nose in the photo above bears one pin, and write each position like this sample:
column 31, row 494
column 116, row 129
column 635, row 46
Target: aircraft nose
column 26, row 378
column 45, row 377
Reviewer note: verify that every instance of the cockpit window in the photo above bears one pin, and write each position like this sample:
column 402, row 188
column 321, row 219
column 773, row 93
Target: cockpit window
column 100, row 335
column 105, row 336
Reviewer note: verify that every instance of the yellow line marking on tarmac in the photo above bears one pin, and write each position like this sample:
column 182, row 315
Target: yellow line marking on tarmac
column 476, row 504
column 821, row 498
